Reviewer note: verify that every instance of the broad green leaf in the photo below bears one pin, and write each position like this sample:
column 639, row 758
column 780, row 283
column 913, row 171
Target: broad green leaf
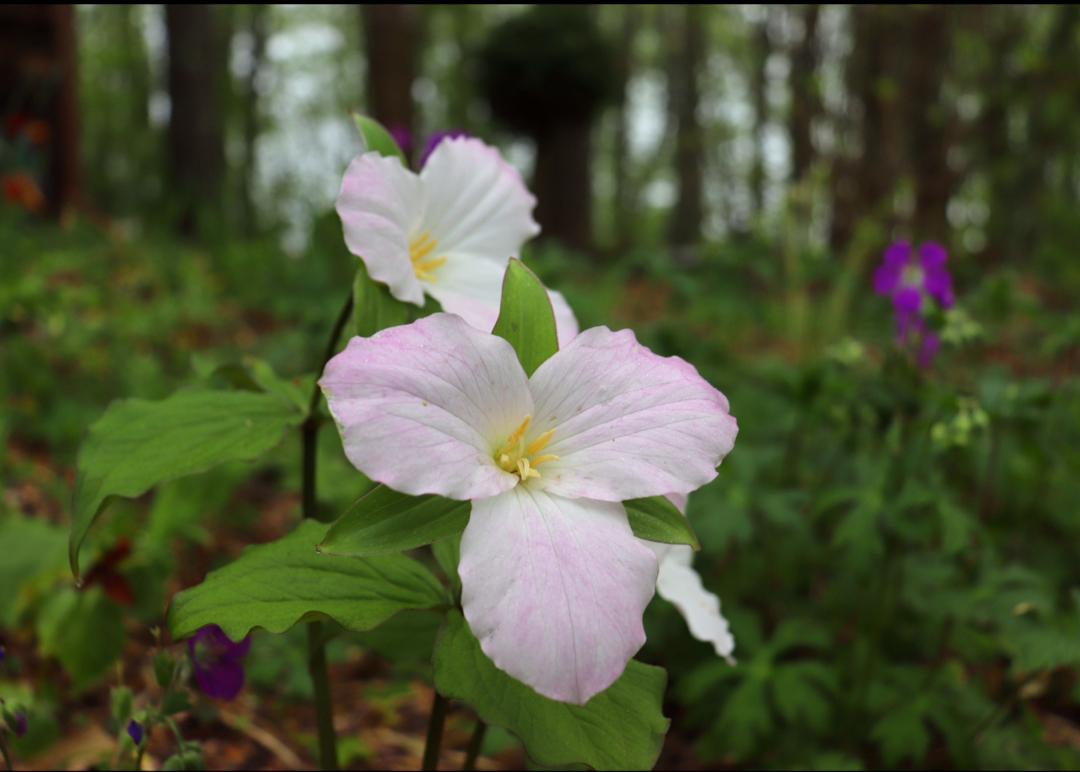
column 657, row 519
column 526, row 319
column 623, row 727
column 378, row 139
column 274, row 586
column 84, row 630
column 902, row 734
column 387, row 521
column 31, row 548
column 374, row 308
column 138, row 444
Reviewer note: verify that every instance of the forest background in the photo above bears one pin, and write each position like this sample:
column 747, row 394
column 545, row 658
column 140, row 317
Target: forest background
column 896, row 549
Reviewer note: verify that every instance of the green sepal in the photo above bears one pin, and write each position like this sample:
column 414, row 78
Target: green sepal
column 377, row 139
column 387, row 521
column 175, row 701
column 526, row 318
column 122, row 703
column 374, row 307
column 657, row 519
column 277, row 585
column 164, row 669
column 623, row 727
column 138, row 444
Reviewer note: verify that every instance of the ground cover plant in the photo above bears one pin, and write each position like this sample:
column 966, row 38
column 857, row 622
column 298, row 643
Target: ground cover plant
column 401, row 501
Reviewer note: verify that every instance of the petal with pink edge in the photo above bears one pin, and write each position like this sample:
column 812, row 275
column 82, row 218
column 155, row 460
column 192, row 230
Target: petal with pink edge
column 477, row 204
column 681, row 585
column 422, row 408
column 554, row 589
column 628, row 423
column 380, row 202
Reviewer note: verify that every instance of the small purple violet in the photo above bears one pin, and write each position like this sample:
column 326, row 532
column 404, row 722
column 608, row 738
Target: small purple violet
column 434, row 140
column 909, row 283
column 216, row 660
column 402, row 138
column 20, row 725
column 135, row 732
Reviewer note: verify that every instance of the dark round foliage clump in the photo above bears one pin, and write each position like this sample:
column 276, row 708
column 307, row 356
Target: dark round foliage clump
column 547, row 65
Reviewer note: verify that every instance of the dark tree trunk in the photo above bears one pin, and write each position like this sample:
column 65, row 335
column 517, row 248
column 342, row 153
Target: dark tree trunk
column 196, row 126
column 563, row 184
column 762, row 47
column 624, row 198
column 805, row 99
column 685, row 228
column 66, row 164
column 259, row 31
column 392, row 37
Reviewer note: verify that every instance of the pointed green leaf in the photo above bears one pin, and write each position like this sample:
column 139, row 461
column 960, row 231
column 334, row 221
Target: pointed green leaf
column 623, row 727
column 387, row 521
column 657, row 519
column 378, row 139
column 273, row 586
column 526, row 319
column 138, row 444
column 374, row 307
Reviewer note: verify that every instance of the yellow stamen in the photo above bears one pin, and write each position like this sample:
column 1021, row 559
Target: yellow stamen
column 422, row 264
column 514, row 456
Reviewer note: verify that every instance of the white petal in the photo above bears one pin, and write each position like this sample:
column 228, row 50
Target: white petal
column 628, row 423
column 555, row 589
column 423, row 408
column 380, row 203
column 566, row 324
column 477, row 204
column 680, row 584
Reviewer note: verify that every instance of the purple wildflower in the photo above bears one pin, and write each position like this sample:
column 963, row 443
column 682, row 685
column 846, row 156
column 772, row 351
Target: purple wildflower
column 135, row 732
column 2, row 655
column 216, row 660
column 20, row 725
column 436, row 138
column 909, row 283
column 402, row 137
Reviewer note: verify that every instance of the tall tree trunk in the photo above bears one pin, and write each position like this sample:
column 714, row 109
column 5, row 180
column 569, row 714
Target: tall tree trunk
column 66, row 171
column 762, row 48
column 685, row 226
column 392, row 37
column 562, row 183
column 196, row 125
column 805, row 99
column 259, row 30
column 624, row 199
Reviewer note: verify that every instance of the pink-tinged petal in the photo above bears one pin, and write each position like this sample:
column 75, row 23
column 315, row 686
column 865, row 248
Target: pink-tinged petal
column 681, row 585
column 477, row 204
column 628, row 423
column 566, row 324
column 379, row 204
column 422, row 408
column 555, row 589
column 680, row 500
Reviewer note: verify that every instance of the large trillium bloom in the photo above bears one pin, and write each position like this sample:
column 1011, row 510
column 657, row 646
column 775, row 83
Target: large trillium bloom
column 554, row 583
column 447, row 232
column 679, row 584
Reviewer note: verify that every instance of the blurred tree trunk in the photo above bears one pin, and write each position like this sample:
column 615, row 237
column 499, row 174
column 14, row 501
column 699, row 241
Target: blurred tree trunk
column 562, row 183
column 762, row 48
column 259, row 24
column 196, row 122
column 66, row 171
column 625, row 204
column 805, row 97
column 392, row 37
column 930, row 123
column 685, row 95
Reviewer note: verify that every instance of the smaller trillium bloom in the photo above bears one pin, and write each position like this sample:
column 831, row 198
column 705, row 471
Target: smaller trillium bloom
column 135, row 732
column 680, row 585
column 216, row 661
column 554, row 582
column 447, row 232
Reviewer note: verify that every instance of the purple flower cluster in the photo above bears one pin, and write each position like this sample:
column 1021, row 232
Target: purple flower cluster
column 912, row 284
column 216, row 660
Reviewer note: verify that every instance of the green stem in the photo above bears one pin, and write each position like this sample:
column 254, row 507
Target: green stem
column 434, row 732
column 475, row 744
column 320, row 679
column 5, row 752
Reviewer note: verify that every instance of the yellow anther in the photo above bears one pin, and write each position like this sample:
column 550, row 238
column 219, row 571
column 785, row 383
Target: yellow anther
column 514, row 457
column 422, row 264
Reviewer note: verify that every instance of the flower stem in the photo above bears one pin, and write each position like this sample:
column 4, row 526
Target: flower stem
column 5, row 752
column 320, row 680
column 434, row 732
column 475, row 744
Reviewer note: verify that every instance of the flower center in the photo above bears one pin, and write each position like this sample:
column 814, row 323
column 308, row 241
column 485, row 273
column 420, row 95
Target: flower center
column 912, row 276
column 517, row 458
column 419, row 252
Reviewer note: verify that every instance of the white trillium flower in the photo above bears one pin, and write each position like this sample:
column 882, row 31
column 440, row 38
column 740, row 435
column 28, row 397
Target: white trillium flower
column 447, row 232
column 680, row 585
